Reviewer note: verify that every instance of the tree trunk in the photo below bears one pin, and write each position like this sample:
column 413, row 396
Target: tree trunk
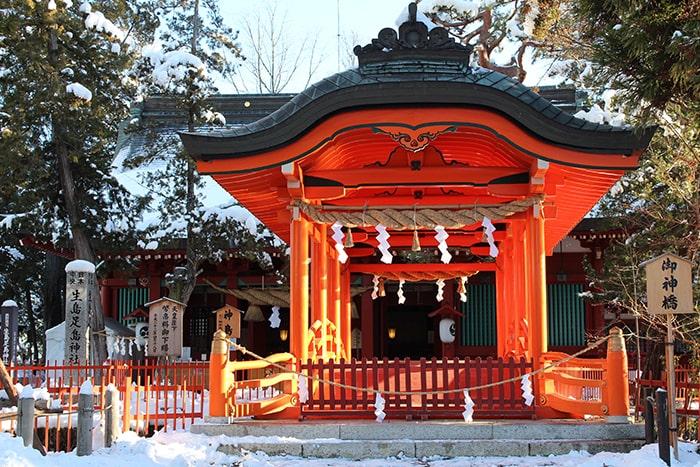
column 54, row 281
column 83, row 250
column 81, row 241
column 31, row 331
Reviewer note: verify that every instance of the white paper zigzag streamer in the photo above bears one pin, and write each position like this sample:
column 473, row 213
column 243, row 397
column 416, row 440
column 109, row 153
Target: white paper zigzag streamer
column 275, row 317
column 383, row 247
column 490, row 229
column 379, row 403
column 468, row 413
column 302, row 390
column 375, row 290
column 338, row 236
column 526, row 386
column 402, row 297
column 441, row 236
column 441, row 285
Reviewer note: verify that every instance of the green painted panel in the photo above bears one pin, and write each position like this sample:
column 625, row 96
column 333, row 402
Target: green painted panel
column 130, row 299
column 566, row 314
column 479, row 324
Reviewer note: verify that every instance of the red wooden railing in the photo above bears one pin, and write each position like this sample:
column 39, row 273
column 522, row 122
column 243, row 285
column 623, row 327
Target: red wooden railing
column 436, row 387
column 153, row 395
column 687, row 399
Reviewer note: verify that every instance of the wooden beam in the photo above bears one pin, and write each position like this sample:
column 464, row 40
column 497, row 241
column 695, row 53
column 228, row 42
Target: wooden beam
column 422, row 267
column 403, row 176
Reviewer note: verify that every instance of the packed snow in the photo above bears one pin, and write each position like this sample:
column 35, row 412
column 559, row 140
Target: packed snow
column 181, row 448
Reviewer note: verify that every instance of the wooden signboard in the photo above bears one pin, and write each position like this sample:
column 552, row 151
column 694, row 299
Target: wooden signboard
column 8, row 331
column 669, row 292
column 669, row 285
column 165, row 328
column 228, row 319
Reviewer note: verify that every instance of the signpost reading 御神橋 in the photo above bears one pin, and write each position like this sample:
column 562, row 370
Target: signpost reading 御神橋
column 669, row 292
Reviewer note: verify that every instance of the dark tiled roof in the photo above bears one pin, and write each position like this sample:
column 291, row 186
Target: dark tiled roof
column 416, row 67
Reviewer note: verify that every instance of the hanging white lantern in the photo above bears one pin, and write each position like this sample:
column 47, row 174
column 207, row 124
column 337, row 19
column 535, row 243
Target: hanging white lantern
column 448, row 329
column 141, row 334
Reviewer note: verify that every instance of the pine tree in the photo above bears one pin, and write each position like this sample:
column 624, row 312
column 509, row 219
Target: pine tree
column 196, row 47
column 647, row 55
column 62, row 98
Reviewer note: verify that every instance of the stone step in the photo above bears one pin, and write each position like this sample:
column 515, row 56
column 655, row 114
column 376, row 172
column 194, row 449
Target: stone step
column 364, row 439
column 363, row 449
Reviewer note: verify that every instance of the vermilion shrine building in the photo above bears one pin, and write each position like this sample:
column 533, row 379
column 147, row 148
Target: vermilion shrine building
column 412, row 145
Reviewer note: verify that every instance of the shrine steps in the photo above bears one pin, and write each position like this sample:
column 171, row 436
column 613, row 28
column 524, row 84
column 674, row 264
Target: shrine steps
column 366, row 439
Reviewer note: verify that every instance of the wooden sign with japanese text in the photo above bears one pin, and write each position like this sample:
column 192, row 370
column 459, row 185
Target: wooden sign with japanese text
column 165, row 328
column 8, row 331
column 228, row 319
column 669, row 285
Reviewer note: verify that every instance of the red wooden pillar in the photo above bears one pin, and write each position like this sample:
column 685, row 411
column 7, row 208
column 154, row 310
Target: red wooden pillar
column 367, row 320
column 334, row 301
column 299, row 288
column 106, row 298
column 537, row 284
column 504, row 298
column 231, row 283
column 346, row 310
column 154, row 292
column 319, row 280
column 513, row 308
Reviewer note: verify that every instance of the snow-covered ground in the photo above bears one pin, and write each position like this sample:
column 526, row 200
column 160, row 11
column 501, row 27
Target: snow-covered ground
column 182, row 448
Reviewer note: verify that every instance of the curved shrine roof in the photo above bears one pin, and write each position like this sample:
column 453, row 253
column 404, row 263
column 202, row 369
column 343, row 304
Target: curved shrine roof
column 465, row 135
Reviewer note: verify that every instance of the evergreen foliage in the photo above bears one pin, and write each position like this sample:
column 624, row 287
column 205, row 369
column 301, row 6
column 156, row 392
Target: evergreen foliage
column 62, row 98
column 196, row 47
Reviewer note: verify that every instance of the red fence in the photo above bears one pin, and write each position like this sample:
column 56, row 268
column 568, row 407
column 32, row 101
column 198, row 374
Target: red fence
column 437, row 387
column 153, row 396
column 687, row 399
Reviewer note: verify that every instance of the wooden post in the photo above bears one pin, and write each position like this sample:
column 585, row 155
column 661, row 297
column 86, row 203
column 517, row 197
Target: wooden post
column 126, row 413
column 111, row 415
column 648, row 416
column 25, row 416
column 219, row 384
column 9, row 388
column 617, row 381
column 671, row 385
column 662, row 423
column 85, row 419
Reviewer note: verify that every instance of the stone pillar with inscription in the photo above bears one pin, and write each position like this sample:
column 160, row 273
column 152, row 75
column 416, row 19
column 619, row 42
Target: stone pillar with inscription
column 165, row 328
column 8, row 331
column 80, row 279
